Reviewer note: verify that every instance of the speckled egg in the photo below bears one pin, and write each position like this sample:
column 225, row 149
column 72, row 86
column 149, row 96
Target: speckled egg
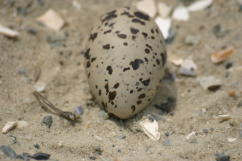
column 124, row 60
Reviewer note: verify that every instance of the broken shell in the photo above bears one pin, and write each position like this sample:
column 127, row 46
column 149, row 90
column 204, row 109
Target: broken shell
column 150, row 128
column 222, row 55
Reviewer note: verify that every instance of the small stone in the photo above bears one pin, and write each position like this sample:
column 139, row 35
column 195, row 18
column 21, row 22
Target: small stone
column 181, row 13
column 205, row 131
column 239, row 105
column 8, row 151
column 167, row 105
column 240, row 8
column 103, row 115
column 228, row 65
column 222, row 55
column 31, row 31
column 192, row 40
column 52, row 20
column 79, row 110
column 8, row 32
column 190, row 135
column 188, row 68
column 200, row 5
column 209, row 83
column 222, row 157
column 47, row 120
column 98, row 150
column 40, row 86
column 9, row 126
column 41, row 156
column 37, row 146
column 219, row 31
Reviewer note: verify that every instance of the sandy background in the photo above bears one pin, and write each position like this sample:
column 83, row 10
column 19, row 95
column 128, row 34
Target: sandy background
column 55, row 58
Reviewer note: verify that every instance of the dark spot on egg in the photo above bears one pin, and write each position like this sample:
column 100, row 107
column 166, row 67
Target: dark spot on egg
column 157, row 61
column 146, row 59
column 109, row 69
column 139, row 102
column 152, row 31
column 87, row 54
column 125, row 69
column 133, row 108
column 147, row 45
column 93, row 59
column 127, row 14
column 116, row 85
column 122, row 36
column 141, row 15
column 144, row 34
column 141, row 96
column 100, row 92
column 136, row 20
column 131, row 91
column 108, row 31
column 106, row 86
column 110, row 15
column 134, row 30
column 93, row 36
column 136, row 63
column 146, row 82
column 112, row 95
column 147, row 51
column 88, row 64
column 107, row 46
column 125, row 43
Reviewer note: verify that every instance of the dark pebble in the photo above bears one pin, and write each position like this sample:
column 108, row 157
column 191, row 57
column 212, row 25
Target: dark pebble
column 8, row 151
column 31, row 31
column 219, row 31
column 187, row 72
column 41, row 156
column 79, row 110
column 36, row 146
column 228, row 65
column 239, row 104
column 240, row 8
column 167, row 105
column 205, row 131
column 222, row 157
column 171, row 37
column 92, row 158
column 47, row 120
column 98, row 150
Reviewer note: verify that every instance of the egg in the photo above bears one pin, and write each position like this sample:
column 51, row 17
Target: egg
column 125, row 58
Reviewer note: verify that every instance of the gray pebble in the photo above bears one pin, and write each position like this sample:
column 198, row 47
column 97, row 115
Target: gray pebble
column 168, row 104
column 79, row 110
column 32, row 31
column 41, row 156
column 47, row 120
column 8, row 151
column 166, row 142
column 219, row 31
column 172, row 36
column 192, row 40
column 205, row 131
column 222, row 157
column 209, row 83
column 103, row 115
column 187, row 72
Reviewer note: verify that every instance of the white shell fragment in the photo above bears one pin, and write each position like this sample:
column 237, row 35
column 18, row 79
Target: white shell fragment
column 9, row 126
column 147, row 6
column 190, row 135
column 181, row 13
column 209, row 83
column 52, row 20
column 40, row 86
column 224, row 117
column 164, row 25
column 8, row 32
column 200, row 5
column 22, row 124
column 188, row 68
column 175, row 60
column 164, row 10
column 150, row 128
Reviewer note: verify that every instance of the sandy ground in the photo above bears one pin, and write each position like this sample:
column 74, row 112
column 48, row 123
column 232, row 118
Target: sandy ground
column 55, row 58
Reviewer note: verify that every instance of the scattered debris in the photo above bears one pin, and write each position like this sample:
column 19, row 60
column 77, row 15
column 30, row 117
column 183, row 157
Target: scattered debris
column 52, row 20
column 175, row 60
column 190, row 135
column 222, row 55
column 219, row 31
column 188, row 68
column 8, row 32
column 164, row 25
column 40, row 86
column 9, row 126
column 209, row 83
column 192, row 40
column 181, row 13
column 49, row 107
column 47, row 120
column 164, row 10
column 231, row 139
column 200, row 5
column 8, row 151
column 222, row 157
column 41, row 156
column 79, row 110
column 147, row 6
column 150, row 128
column 223, row 118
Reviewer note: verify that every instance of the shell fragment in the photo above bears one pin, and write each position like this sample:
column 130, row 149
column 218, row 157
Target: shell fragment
column 150, row 128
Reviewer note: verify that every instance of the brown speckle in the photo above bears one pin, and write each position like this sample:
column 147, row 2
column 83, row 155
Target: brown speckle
column 109, row 69
column 136, row 63
column 141, row 15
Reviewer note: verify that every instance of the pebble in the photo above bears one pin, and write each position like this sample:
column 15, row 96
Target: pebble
column 219, row 31
column 32, row 31
column 205, row 131
column 181, row 13
column 47, row 120
column 209, row 83
column 79, row 110
column 8, row 32
column 8, row 151
column 240, row 8
column 228, row 65
column 103, row 115
column 98, row 150
column 9, row 126
column 188, row 68
column 222, row 55
column 41, row 156
column 222, row 157
column 40, row 86
column 167, row 105
column 192, row 40
column 37, row 146
column 239, row 105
